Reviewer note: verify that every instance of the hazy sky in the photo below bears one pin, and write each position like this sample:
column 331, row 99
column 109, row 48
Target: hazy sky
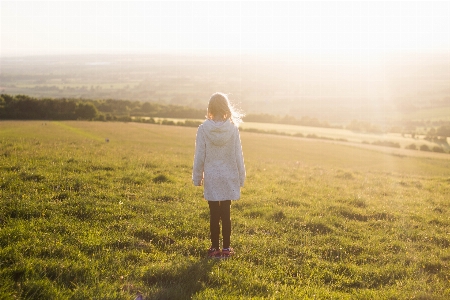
column 221, row 27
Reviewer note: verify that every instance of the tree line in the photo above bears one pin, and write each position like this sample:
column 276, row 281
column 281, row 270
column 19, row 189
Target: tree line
column 23, row 107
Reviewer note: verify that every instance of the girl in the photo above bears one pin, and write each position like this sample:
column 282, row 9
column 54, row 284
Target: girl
column 219, row 165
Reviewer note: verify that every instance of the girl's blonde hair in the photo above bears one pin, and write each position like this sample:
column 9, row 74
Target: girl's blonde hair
column 220, row 107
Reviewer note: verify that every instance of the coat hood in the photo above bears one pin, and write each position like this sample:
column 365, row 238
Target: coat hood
column 219, row 133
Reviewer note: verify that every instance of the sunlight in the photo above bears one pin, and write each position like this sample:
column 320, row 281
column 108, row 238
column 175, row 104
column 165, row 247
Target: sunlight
column 338, row 61
column 370, row 27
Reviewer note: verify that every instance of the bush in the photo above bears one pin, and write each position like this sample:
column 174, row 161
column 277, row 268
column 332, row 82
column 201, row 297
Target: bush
column 190, row 123
column 100, row 117
column 167, row 122
column 412, row 147
column 124, row 119
column 424, row 148
column 438, row 149
column 254, row 130
column 386, row 144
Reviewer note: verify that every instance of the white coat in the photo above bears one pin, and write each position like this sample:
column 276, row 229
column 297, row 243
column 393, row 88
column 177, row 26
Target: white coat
column 219, row 161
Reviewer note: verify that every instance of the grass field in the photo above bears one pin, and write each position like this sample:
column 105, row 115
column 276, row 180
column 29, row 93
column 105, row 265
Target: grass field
column 82, row 218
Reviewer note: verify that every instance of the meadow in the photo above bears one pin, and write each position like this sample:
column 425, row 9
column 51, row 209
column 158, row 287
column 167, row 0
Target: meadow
column 108, row 211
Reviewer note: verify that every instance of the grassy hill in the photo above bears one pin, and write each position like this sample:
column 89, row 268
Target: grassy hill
column 85, row 218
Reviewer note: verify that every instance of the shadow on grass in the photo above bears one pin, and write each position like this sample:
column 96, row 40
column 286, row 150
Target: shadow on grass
column 180, row 280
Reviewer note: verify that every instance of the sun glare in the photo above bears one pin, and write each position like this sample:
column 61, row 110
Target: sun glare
column 335, row 56
column 253, row 27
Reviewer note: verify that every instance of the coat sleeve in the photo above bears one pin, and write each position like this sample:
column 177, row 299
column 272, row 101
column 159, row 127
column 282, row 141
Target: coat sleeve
column 240, row 159
column 199, row 158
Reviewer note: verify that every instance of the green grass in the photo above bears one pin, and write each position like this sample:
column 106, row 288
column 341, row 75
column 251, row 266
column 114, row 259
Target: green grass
column 82, row 218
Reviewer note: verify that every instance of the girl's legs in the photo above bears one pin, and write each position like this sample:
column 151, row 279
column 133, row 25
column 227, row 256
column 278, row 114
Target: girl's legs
column 220, row 210
column 214, row 220
column 226, row 222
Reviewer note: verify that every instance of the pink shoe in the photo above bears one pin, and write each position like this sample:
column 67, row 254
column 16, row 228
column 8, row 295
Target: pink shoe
column 227, row 252
column 213, row 253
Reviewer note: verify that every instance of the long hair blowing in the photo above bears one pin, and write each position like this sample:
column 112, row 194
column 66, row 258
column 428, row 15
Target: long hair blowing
column 220, row 106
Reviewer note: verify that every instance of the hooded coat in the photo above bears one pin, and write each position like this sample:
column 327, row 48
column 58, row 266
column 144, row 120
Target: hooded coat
column 219, row 161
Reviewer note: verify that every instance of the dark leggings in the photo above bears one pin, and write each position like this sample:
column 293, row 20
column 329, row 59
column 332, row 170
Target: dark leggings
column 220, row 210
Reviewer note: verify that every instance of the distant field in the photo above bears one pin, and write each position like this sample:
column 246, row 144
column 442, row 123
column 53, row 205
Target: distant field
column 345, row 134
column 355, row 138
column 107, row 210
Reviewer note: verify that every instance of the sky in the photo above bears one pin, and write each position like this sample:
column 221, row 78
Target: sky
column 223, row 27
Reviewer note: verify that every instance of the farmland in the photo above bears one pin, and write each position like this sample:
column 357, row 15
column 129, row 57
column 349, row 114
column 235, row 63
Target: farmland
column 338, row 135
column 108, row 210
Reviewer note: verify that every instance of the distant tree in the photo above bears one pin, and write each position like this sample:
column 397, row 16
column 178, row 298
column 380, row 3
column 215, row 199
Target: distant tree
column 125, row 119
column 7, row 98
column 2, row 106
column 147, row 107
column 443, row 131
column 104, row 107
column 167, row 122
column 288, row 120
column 412, row 147
column 424, row 148
column 313, row 122
column 361, row 126
column 431, row 134
column 386, row 144
column 100, row 117
column 86, row 111
column 437, row 149
column 23, row 107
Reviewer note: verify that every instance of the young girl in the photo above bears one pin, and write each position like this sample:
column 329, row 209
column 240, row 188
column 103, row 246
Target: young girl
column 219, row 165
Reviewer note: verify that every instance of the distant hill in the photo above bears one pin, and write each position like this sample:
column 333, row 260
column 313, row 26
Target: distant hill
column 380, row 90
